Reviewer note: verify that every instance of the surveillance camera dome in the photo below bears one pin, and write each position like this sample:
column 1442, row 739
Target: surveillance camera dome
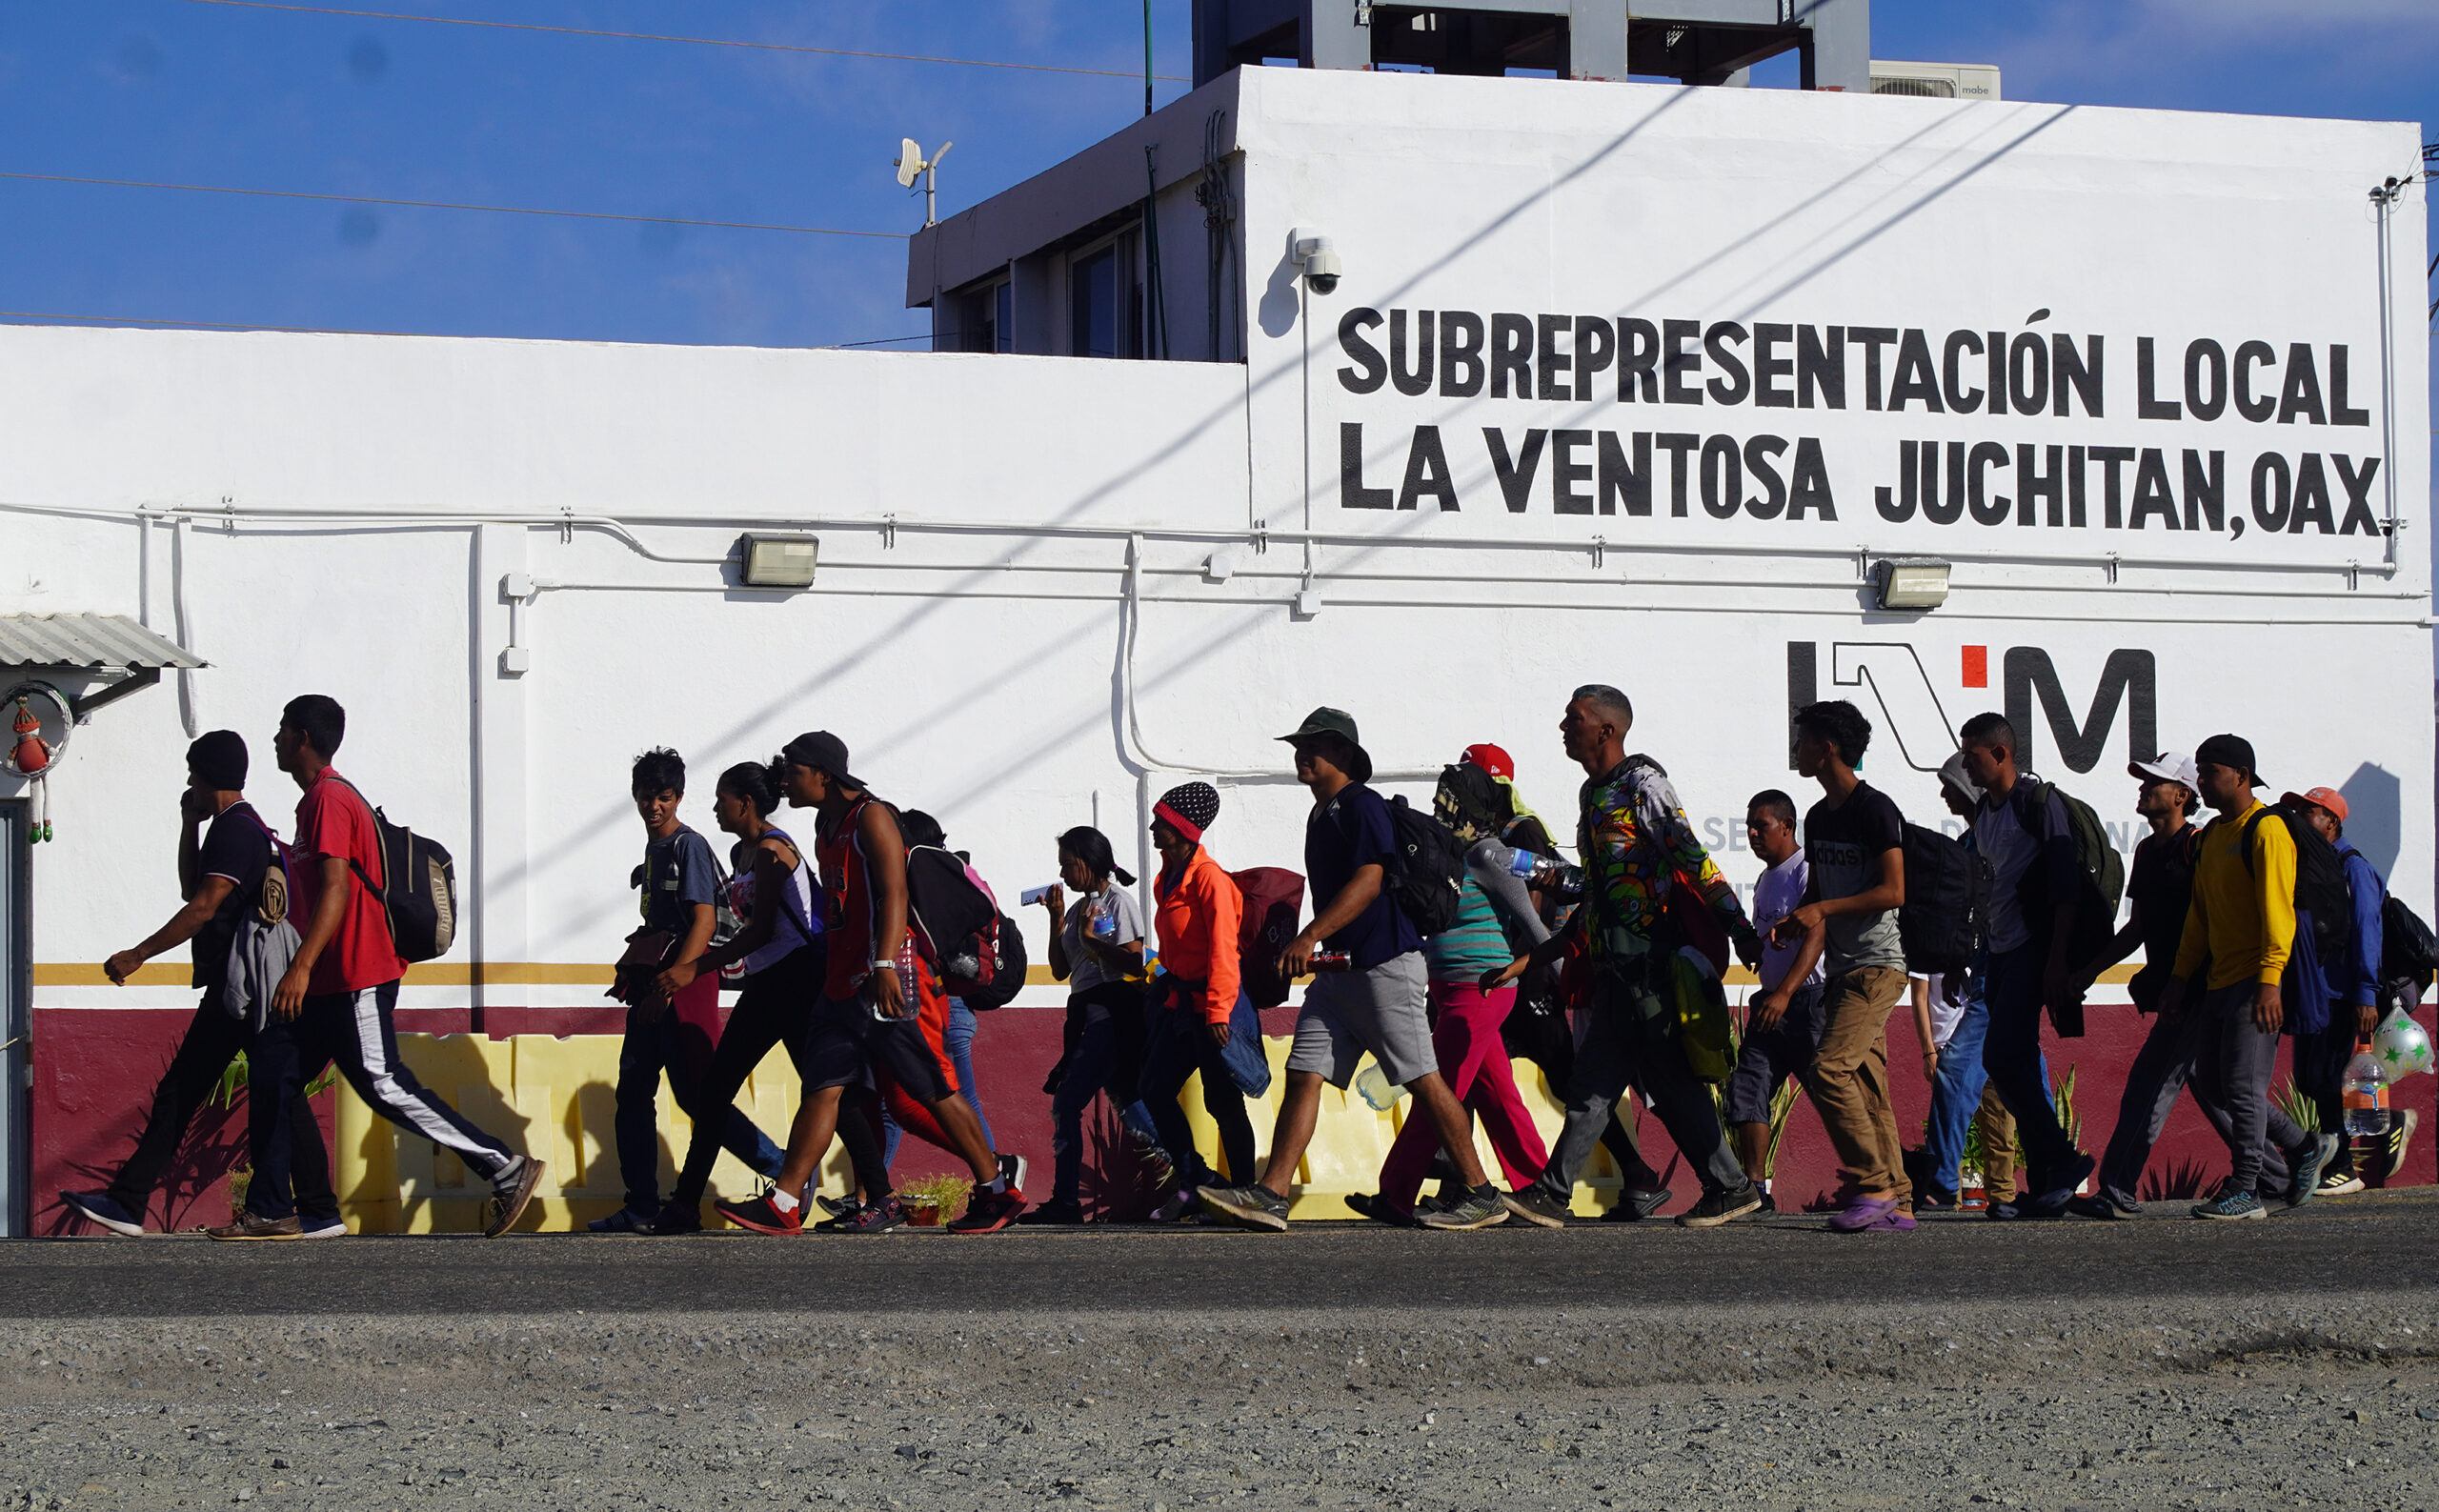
column 1322, row 272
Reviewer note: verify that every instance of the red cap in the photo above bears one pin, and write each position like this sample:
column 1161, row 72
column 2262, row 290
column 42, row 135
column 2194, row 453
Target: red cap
column 1491, row 760
column 2329, row 798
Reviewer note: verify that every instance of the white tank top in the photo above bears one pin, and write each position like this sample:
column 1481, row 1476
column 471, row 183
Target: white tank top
column 794, row 928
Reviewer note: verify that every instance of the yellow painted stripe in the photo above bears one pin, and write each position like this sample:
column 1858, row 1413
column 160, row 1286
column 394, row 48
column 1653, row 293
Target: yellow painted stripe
column 430, row 974
column 563, row 974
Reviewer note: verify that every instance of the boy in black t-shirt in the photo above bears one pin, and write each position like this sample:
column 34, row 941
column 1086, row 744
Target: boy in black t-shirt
column 680, row 882
column 220, row 872
column 1854, row 842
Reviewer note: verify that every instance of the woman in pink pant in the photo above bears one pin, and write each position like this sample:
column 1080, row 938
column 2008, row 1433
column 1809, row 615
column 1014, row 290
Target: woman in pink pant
column 1465, row 1020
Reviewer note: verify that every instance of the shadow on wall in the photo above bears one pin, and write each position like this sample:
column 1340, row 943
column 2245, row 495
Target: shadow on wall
column 2375, row 816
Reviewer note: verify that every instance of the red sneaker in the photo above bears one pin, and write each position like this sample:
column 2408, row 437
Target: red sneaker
column 989, row 1212
column 763, row 1217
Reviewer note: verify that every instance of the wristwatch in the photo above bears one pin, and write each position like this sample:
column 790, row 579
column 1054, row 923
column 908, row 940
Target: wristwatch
column 885, row 965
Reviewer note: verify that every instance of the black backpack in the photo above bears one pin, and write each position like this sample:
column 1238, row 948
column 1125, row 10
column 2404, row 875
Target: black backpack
column 1428, row 879
column 2407, row 952
column 1947, row 899
column 960, row 930
column 420, row 902
column 2321, row 890
column 1008, row 974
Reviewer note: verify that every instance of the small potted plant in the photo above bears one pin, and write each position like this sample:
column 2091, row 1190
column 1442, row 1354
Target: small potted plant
column 932, row 1201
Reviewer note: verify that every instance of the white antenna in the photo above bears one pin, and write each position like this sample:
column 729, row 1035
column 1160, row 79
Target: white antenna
column 912, row 163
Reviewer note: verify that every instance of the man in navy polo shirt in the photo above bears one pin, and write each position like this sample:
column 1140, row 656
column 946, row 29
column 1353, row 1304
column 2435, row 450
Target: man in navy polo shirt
column 1379, row 1004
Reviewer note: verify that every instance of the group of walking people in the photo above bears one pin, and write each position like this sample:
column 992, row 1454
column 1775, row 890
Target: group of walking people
column 1437, row 948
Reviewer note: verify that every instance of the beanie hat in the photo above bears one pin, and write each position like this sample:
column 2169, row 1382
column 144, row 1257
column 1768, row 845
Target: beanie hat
column 1188, row 807
column 217, row 759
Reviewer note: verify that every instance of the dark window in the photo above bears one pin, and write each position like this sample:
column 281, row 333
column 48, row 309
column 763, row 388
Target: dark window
column 984, row 324
column 1104, row 302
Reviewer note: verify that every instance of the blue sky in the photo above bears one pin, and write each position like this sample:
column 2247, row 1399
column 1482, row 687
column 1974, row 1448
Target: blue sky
column 183, row 92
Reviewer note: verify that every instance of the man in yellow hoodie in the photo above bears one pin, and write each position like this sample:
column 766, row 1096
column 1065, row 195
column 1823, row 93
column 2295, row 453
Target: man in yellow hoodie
column 2239, row 934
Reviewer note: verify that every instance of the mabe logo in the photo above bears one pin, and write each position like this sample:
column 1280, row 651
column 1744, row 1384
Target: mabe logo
column 1887, row 681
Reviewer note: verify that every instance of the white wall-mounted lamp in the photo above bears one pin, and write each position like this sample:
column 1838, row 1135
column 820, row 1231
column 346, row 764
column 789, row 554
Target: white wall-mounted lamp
column 780, row 561
column 1910, row 582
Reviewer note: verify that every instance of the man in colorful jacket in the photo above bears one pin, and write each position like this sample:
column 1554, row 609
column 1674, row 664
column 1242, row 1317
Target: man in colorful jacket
column 1636, row 847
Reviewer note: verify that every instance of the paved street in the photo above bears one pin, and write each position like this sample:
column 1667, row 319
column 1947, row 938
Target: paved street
column 1323, row 1266
column 2160, row 1362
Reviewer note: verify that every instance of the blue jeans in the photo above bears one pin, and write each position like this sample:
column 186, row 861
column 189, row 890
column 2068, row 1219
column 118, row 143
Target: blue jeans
column 2012, row 1053
column 1956, row 1092
column 960, row 1040
column 1090, row 1071
column 668, row 1045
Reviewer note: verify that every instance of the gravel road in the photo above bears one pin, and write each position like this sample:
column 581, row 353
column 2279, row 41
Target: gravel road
column 1584, row 1378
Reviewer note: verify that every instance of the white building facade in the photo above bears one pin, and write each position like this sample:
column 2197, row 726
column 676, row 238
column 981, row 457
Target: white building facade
column 1618, row 383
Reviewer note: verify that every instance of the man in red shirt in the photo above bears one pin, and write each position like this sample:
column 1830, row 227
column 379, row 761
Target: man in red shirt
column 335, row 1003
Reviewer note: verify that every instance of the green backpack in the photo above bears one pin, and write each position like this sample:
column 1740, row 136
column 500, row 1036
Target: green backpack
column 2104, row 868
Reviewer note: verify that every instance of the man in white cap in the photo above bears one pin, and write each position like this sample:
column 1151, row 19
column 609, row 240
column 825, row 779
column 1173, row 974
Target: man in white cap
column 2160, row 889
column 1958, row 1009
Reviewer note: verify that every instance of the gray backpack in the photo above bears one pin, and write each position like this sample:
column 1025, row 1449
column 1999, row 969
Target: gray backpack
column 266, row 943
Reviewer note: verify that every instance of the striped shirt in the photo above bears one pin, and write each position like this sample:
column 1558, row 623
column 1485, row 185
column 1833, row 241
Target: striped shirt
column 1473, row 944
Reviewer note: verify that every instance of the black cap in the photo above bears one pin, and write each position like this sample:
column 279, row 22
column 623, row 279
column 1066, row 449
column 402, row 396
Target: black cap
column 822, row 751
column 2228, row 751
column 217, row 759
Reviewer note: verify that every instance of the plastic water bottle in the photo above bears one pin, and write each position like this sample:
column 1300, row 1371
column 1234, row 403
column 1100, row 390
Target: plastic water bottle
column 2365, row 1093
column 1329, row 961
column 1374, row 1086
column 1547, row 872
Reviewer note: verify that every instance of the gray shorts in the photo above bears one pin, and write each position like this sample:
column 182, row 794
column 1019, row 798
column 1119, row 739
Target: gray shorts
column 1384, row 1010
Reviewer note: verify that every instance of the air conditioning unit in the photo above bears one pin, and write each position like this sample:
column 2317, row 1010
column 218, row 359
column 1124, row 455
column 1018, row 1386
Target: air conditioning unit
column 1936, row 81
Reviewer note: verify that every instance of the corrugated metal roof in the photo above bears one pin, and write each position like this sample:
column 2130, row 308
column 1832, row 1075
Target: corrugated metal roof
column 87, row 640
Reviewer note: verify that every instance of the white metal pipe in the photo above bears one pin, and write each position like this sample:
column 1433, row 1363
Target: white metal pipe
column 189, row 715
column 2386, row 212
column 621, row 526
column 1652, row 606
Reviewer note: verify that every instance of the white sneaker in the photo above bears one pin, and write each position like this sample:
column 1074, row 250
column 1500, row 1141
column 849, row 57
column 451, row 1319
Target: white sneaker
column 337, row 1228
column 1016, row 1168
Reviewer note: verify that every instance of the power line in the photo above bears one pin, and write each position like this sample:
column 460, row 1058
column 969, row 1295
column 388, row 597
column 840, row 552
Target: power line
column 330, row 331
column 442, row 204
column 204, row 325
column 649, row 37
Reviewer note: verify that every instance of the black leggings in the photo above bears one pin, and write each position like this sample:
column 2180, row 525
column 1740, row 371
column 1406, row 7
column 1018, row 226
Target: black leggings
column 1179, row 1044
column 772, row 1008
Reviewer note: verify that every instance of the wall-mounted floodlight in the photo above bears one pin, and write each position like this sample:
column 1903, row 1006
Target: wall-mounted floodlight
column 1911, row 582
column 780, row 561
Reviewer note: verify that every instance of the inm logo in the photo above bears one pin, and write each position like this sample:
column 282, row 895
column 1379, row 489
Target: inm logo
column 1887, row 681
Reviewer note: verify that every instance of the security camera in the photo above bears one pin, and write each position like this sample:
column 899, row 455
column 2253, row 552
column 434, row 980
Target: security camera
column 1321, row 269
